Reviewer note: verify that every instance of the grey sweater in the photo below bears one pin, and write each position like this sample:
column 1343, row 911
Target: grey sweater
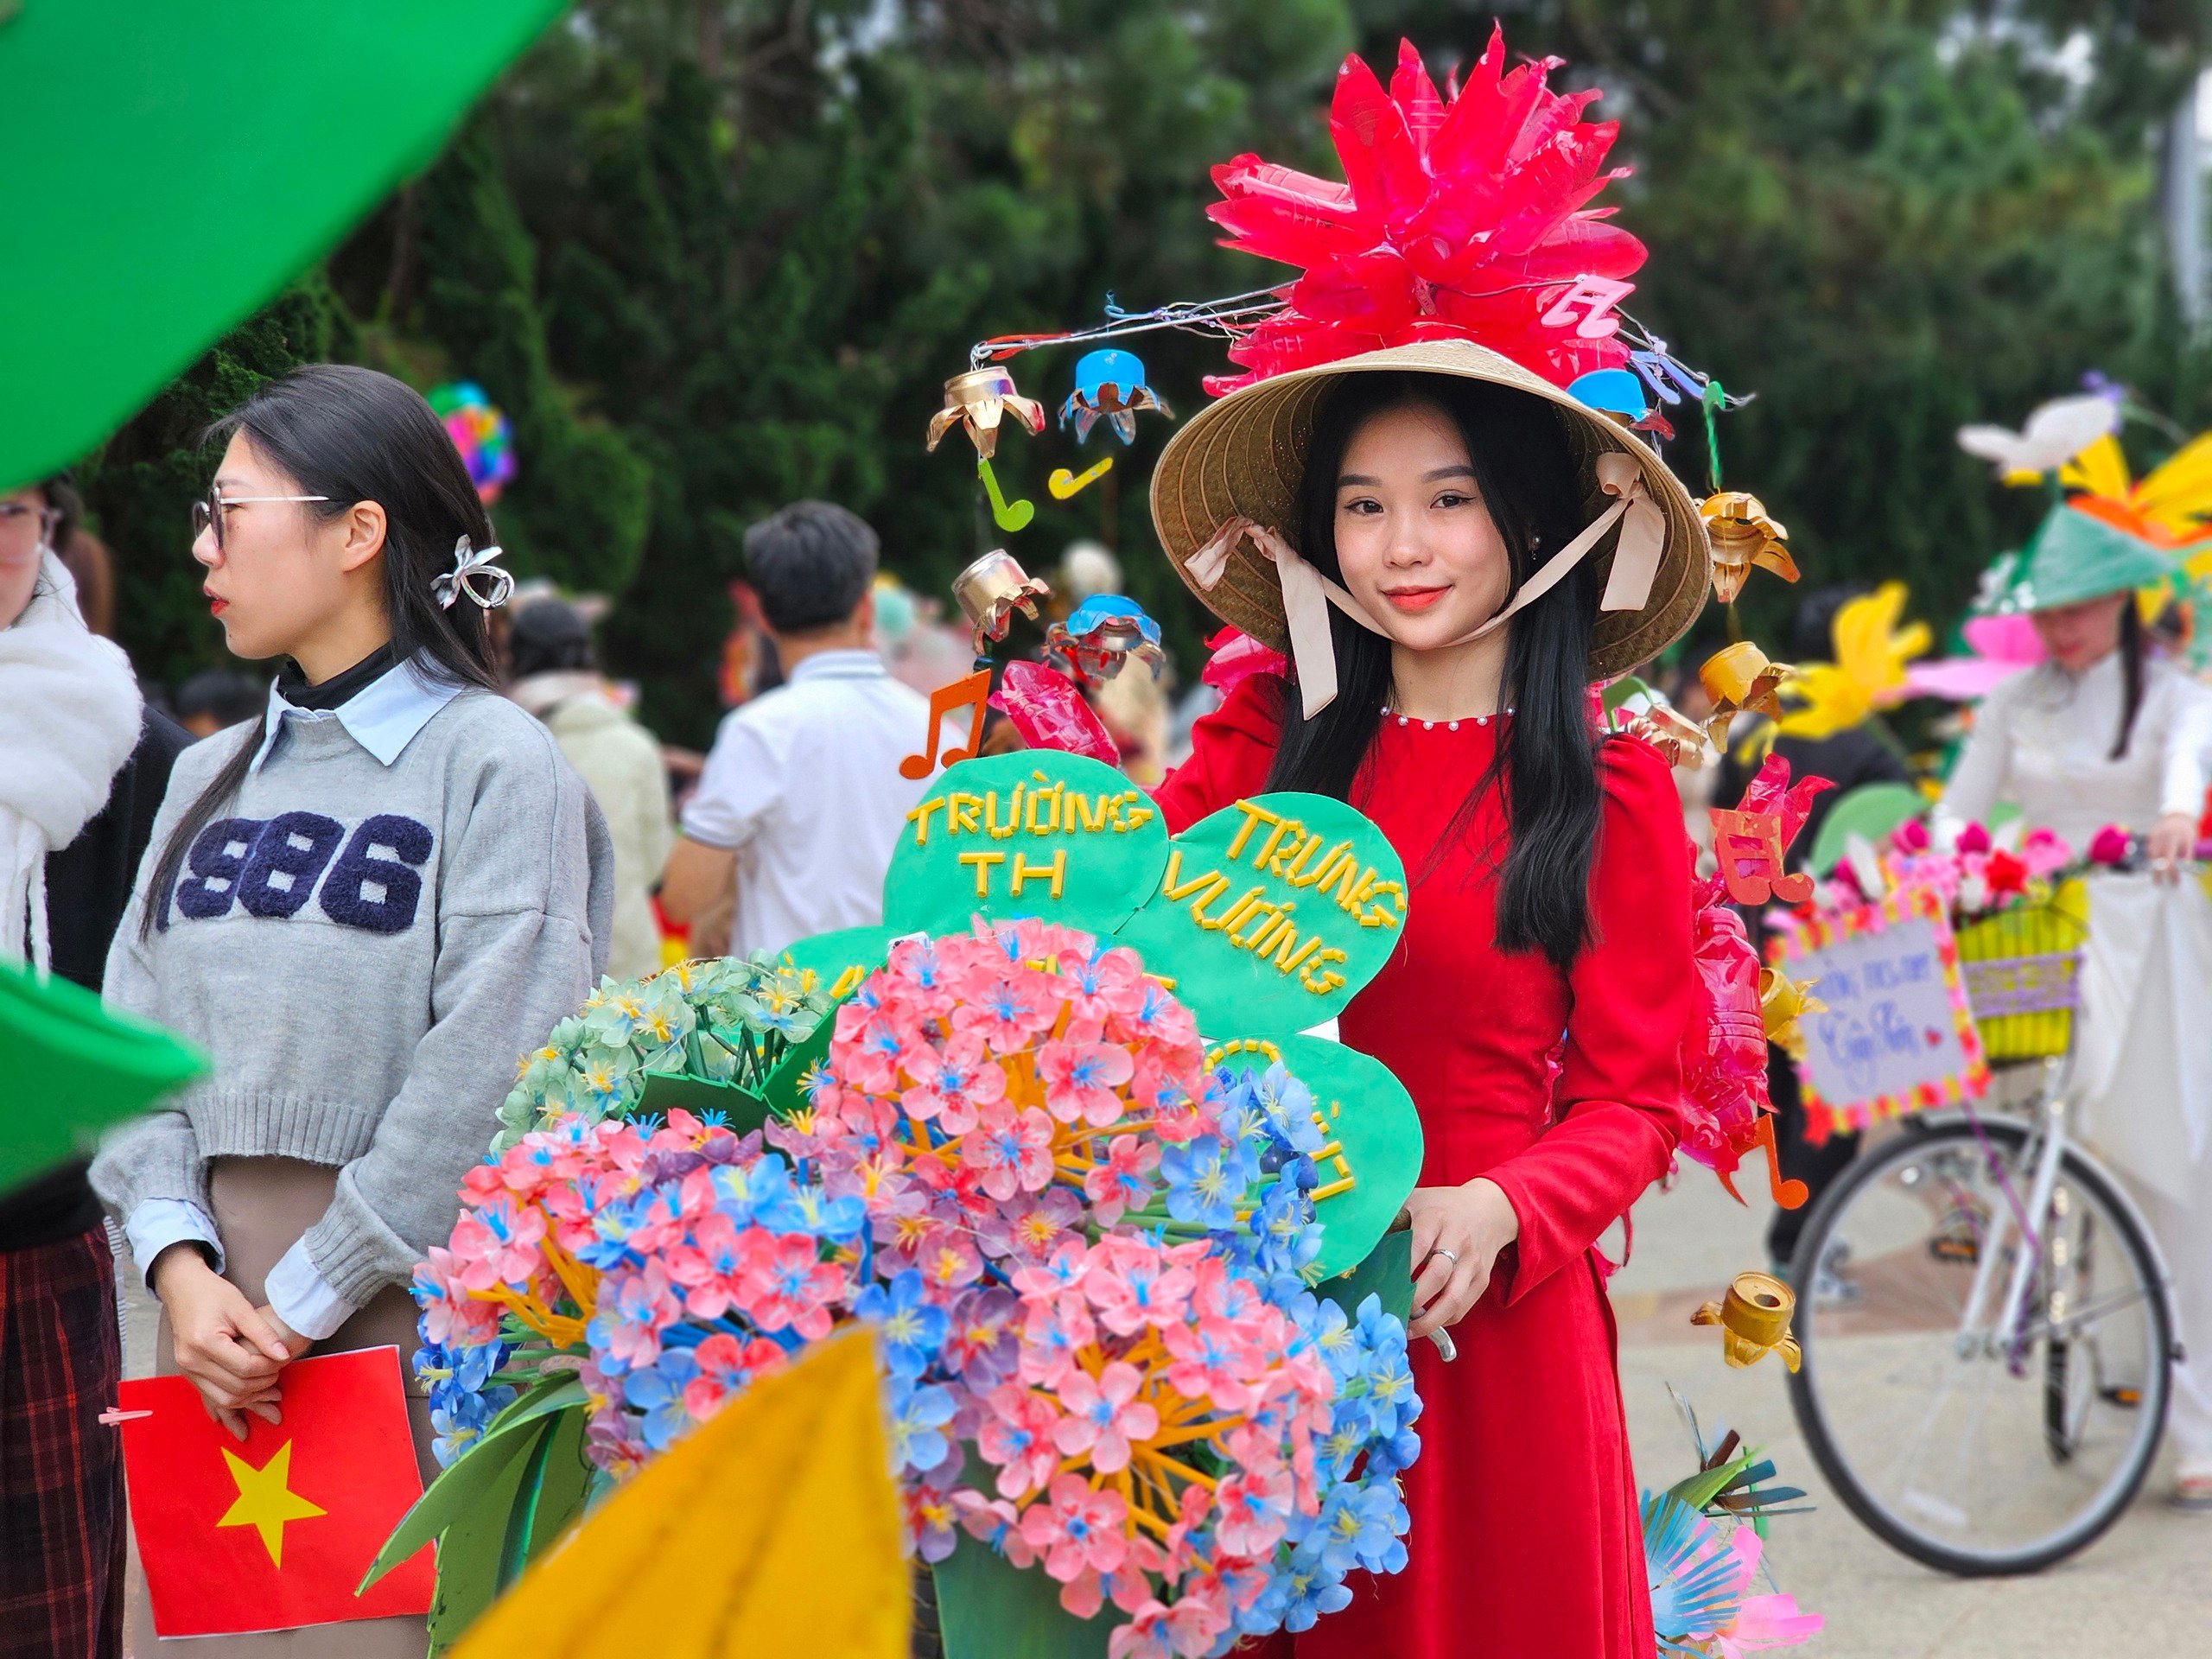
column 365, row 949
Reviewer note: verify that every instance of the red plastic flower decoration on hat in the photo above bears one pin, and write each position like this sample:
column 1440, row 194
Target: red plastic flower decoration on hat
column 1457, row 220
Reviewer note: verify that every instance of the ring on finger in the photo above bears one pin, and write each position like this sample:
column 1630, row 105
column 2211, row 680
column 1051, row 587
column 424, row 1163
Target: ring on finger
column 1453, row 1256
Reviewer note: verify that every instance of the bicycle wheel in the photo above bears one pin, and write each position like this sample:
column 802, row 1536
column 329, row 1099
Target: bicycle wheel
column 1974, row 1460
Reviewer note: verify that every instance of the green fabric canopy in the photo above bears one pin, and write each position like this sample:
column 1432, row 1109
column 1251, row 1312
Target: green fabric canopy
column 72, row 1069
column 164, row 169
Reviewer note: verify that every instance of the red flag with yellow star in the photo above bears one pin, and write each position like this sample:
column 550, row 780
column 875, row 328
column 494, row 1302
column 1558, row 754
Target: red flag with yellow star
column 273, row 1531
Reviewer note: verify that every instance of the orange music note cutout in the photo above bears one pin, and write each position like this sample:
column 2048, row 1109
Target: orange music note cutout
column 1790, row 1195
column 969, row 694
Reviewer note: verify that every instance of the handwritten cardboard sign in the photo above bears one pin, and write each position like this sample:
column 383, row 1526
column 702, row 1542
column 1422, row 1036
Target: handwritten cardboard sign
column 1897, row 1035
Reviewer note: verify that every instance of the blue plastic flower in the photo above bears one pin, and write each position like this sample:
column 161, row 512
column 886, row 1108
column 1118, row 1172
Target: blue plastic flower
column 916, row 1414
column 657, row 1391
column 912, row 1330
column 1201, row 1190
column 1359, row 1526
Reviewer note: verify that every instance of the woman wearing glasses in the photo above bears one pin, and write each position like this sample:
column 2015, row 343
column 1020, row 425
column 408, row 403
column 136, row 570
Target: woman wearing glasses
column 364, row 905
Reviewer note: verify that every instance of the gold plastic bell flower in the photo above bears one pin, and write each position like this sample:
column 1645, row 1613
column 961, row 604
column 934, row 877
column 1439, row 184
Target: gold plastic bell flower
column 1738, row 678
column 976, row 400
column 1754, row 1321
column 1783, row 1002
column 1743, row 535
column 990, row 590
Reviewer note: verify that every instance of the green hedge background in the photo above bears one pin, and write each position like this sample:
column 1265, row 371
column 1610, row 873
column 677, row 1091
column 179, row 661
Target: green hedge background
column 710, row 257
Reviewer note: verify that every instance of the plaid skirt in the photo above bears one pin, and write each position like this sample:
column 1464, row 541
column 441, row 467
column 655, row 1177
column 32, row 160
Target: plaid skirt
column 61, row 1517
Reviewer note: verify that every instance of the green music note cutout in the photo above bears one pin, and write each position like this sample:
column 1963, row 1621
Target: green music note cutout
column 1008, row 515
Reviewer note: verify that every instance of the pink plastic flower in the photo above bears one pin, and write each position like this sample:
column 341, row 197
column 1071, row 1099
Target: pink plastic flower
column 1077, row 1527
column 1011, row 1151
column 1123, row 1182
column 1133, row 1285
column 1032, row 1227
column 995, row 1521
column 1080, row 1078
column 951, row 1084
column 641, row 1307
column 2109, row 845
column 1972, row 839
column 727, row 1366
column 453, row 1317
column 1007, row 1010
column 1187, row 1629
column 1101, row 982
column 870, row 1061
column 923, row 976
column 497, row 1244
column 1104, row 1415
column 1064, row 1269
column 1255, row 1508
column 2044, row 853
column 708, row 1267
column 786, row 1283
column 1052, row 1333
column 1019, row 1437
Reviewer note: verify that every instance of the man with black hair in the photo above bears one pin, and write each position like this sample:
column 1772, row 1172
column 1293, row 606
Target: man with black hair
column 801, row 801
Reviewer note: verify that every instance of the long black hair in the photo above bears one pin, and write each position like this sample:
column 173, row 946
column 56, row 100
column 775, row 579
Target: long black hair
column 1546, row 760
column 2131, row 645
column 353, row 435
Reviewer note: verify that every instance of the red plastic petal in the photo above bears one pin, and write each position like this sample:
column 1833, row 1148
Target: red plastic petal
column 1414, row 94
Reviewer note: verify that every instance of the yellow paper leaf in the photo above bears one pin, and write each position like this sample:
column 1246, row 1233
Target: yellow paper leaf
column 772, row 1530
column 2101, row 469
column 2177, row 495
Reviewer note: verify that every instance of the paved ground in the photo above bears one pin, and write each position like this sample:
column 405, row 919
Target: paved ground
column 2144, row 1591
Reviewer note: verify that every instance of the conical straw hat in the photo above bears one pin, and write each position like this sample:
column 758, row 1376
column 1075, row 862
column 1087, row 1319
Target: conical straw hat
column 1245, row 455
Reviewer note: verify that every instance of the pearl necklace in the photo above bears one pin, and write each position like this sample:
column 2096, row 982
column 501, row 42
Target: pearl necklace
column 1449, row 725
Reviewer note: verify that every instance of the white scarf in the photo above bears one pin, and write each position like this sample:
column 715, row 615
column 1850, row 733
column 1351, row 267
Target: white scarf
column 69, row 714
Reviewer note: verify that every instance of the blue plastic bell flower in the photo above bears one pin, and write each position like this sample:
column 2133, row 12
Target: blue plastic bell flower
column 1100, row 635
column 1109, row 382
column 1611, row 391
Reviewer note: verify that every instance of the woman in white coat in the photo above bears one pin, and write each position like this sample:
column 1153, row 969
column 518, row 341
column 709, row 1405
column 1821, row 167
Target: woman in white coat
column 2103, row 732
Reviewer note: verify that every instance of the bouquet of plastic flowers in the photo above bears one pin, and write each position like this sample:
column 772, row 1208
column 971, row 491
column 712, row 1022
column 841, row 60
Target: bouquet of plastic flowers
column 1084, row 1254
column 728, row 1019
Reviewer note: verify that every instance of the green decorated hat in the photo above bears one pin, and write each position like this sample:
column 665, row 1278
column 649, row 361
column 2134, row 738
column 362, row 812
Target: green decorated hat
column 2074, row 556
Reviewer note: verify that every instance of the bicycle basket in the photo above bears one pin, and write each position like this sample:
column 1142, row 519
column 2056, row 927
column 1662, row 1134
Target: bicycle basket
column 2023, row 975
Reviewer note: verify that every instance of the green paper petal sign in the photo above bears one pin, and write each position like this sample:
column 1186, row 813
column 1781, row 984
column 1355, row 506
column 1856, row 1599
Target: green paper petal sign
column 1273, row 913
column 1372, row 1159
column 1061, row 837
column 75, row 1068
column 169, row 200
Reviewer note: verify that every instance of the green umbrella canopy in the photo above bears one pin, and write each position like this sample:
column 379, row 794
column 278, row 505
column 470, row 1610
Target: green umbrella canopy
column 2074, row 556
column 73, row 1068
column 164, row 169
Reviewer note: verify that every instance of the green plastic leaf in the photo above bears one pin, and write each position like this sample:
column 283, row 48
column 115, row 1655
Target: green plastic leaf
column 785, row 1091
column 471, row 1547
column 988, row 1609
column 1273, row 913
column 184, row 205
column 1372, row 1158
column 550, row 1497
column 1037, row 833
column 740, row 1107
column 834, row 956
column 74, row 1068
column 1869, row 811
column 462, row 1489
column 1388, row 1273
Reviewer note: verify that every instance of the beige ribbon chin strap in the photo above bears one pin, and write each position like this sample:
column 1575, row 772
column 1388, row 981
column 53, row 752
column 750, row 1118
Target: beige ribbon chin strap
column 1307, row 594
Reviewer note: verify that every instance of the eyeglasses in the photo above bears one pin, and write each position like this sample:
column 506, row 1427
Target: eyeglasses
column 18, row 518
column 211, row 511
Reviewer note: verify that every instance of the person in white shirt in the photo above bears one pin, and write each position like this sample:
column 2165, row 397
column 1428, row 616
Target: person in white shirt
column 802, row 801
column 2102, row 733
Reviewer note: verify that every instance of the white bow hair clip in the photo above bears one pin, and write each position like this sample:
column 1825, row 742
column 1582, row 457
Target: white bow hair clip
column 474, row 573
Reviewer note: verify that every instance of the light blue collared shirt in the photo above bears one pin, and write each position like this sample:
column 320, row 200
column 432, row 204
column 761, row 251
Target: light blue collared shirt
column 383, row 717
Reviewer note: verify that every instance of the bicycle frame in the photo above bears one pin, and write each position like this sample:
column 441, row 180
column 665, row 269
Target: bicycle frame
column 2013, row 1326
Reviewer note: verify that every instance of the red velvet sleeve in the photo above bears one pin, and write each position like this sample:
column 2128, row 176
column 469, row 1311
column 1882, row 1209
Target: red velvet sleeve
column 1618, row 1096
column 1230, row 752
